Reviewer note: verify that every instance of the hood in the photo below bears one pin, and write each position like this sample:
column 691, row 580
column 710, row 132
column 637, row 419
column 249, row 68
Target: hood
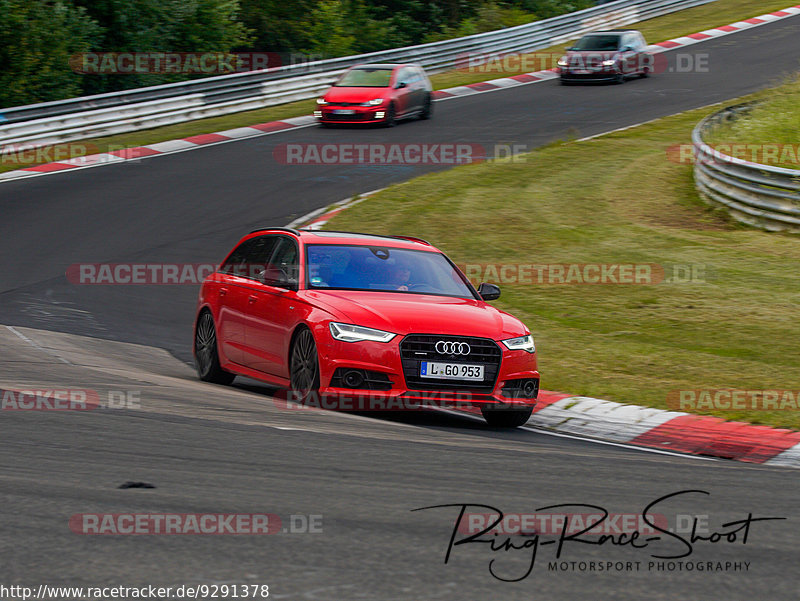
column 335, row 94
column 404, row 313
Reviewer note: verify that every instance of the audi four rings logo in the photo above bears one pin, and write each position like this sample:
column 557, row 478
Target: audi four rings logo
column 445, row 347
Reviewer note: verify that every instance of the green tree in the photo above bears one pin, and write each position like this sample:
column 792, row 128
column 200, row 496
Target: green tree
column 37, row 37
column 161, row 26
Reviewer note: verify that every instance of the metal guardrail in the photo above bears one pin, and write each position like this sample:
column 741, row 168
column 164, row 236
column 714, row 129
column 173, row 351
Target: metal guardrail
column 142, row 108
column 759, row 195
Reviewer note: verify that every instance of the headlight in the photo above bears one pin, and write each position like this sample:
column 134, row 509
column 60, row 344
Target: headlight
column 373, row 102
column 349, row 333
column 609, row 63
column 563, row 62
column 523, row 343
column 321, row 101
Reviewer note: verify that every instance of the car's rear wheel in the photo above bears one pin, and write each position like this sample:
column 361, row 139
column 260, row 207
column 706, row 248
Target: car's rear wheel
column 206, row 354
column 506, row 418
column 645, row 73
column 304, row 367
column 427, row 108
column 391, row 117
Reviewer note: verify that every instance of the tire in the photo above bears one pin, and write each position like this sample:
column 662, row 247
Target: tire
column 564, row 82
column 645, row 73
column 620, row 78
column 206, row 353
column 304, row 367
column 427, row 108
column 391, row 117
column 506, row 418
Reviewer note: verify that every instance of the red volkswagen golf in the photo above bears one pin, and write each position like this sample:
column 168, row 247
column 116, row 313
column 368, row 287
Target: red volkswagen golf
column 380, row 93
column 333, row 315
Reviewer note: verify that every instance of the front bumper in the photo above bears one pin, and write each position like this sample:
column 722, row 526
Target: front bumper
column 593, row 74
column 360, row 114
column 391, row 385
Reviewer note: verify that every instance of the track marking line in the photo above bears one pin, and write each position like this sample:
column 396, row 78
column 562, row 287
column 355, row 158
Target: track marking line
column 36, row 345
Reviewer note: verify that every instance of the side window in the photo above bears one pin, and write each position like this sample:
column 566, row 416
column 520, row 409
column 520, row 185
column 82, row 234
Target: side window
column 403, row 75
column 250, row 257
column 284, row 260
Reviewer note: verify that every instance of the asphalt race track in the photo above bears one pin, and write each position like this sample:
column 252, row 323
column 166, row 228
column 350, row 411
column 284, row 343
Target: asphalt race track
column 213, row 449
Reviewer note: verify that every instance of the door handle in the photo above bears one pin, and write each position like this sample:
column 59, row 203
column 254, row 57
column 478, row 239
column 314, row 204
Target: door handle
column 223, row 291
column 252, row 298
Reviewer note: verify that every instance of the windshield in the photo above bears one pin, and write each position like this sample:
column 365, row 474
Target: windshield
column 387, row 269
column 597, row 43
column 378, row 77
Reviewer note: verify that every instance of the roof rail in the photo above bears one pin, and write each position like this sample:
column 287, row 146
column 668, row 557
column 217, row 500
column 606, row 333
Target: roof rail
column 413, row 239
column 280, row 229
column 409, row 238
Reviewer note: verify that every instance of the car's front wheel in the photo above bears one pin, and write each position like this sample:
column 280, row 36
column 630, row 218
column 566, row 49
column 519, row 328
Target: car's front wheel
column 206, row 355
column 391, row 116
column 506, row 418
column 427, row 108
column 304, row 367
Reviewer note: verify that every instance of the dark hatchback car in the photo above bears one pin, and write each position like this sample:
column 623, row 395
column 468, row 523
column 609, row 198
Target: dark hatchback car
column 613, row 56
column 379, row 93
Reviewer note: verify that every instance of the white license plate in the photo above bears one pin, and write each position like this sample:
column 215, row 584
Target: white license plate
column 450, row 371
column 343, row 112
column 581, row 71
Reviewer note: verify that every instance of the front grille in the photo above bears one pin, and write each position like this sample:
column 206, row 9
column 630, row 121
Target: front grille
column 345, row 103
column 421, row 347
column 355, row 117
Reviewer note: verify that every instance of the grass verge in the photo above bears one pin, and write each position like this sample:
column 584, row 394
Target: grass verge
column 670, row 26
column 771, row 127
column 617, row 199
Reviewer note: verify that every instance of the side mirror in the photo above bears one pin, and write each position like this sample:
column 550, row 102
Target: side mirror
column 569, row 48
column 489, row 292
column 277, row 278
column 627, row 49
column 401, row 84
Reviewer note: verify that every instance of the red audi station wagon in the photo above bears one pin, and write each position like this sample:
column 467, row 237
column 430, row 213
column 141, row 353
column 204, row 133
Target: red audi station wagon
column 328, row 314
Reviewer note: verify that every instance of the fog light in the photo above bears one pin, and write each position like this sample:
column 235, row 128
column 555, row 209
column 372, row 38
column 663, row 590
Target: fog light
column 353, row 379
column 529, row 390
column 318, row 114
column 380, row 114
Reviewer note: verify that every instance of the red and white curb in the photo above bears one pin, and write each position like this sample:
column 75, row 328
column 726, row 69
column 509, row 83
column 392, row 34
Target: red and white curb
column 617, row 423
column 262, row 129
column 161, row 148
column 315, row 220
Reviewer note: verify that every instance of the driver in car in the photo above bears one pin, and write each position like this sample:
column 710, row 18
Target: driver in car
column 400, row 277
